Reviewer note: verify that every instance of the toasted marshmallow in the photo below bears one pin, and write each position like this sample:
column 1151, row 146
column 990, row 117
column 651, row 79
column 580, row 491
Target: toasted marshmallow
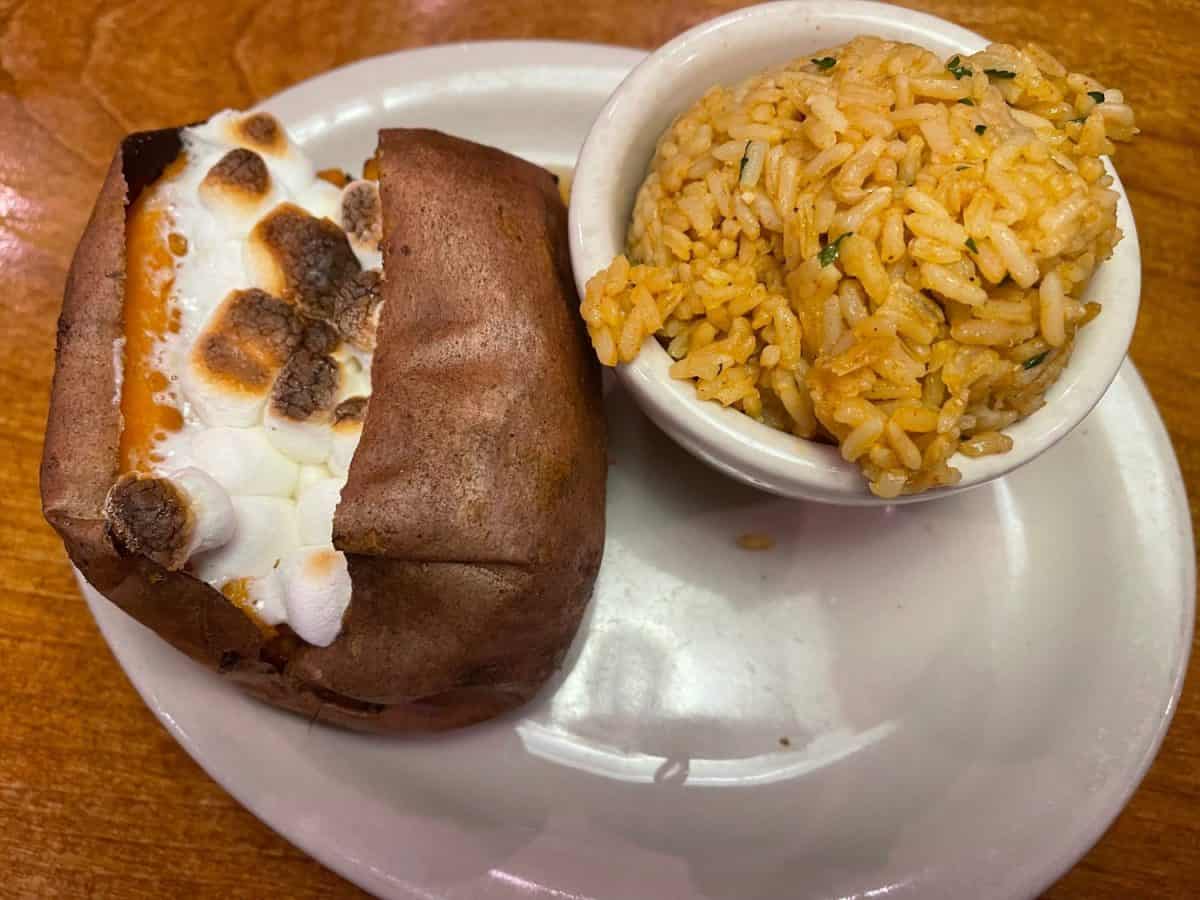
column 320, row 338
column 244, row 462
column 212, row 511
column 262, row 133
column 295, row 255
column 151, row 516
column 266, row 532
column 233, row 364
column 169, row 520
column 362, row 215
column 356, row 308
column 317, row 587
column 237, row 190
column 315, row 506
column 301, row 407
column 348, row 419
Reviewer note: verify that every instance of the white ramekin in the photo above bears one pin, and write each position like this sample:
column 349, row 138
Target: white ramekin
column 614, row 161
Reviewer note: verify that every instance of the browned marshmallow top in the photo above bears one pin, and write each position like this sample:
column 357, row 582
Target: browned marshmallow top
column 150, row 516
column 302, row 258
column 262, row 131
column 356, row 309
column 362, row 214
column 240, row 171
column 306, row 389
column 249, row 337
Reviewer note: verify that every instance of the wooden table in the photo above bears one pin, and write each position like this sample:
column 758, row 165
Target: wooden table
column 95, row 797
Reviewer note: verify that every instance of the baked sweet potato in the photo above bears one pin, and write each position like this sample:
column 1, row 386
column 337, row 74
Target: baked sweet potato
column 473, row 513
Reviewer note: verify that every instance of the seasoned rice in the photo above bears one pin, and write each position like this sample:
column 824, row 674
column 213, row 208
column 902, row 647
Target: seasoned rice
column 874, row 246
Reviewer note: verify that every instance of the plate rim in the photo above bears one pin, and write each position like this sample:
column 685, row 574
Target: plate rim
column 1087, row 835
column 1090, row 836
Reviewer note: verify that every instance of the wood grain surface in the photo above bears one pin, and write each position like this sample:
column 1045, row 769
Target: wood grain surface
column 95, row 798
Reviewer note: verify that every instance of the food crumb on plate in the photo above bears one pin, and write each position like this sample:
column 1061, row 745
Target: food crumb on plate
column 755, row 541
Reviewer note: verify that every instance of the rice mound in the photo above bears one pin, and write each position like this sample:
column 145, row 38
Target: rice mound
column 874, row 246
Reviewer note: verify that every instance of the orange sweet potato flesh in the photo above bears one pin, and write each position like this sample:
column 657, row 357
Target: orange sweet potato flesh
column 473, row 515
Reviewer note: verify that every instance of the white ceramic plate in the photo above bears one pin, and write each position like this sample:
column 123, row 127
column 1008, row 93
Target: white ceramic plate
column 944, row 700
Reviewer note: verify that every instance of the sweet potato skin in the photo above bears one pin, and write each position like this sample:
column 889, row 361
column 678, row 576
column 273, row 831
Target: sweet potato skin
column 473, row 515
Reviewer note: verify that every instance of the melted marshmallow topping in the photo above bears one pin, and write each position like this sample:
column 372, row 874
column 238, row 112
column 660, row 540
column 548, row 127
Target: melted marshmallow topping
column 273, row 308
